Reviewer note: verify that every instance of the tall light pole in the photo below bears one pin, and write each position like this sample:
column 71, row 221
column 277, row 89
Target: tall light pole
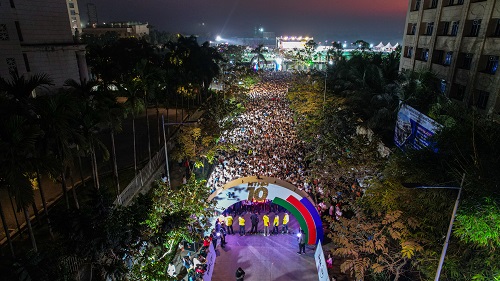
column 166, row 150
column 326, row 75
column 452, row 219
column 165, row 141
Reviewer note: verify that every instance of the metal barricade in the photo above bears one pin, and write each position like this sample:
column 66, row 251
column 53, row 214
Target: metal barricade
column 142, row 178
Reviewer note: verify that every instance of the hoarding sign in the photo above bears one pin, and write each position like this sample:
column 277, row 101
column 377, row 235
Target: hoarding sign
column 319, row 257
column 414, row 129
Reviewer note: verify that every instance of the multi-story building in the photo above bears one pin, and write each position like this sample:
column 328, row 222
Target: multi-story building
column 37, row 36
column 74, row 16
column 458, row 40
column 122, row 29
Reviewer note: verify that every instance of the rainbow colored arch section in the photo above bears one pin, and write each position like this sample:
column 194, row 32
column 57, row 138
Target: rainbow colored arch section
column 280, row 192
column 307, row 216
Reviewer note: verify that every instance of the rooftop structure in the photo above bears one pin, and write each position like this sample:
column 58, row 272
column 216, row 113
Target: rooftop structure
column 123, row 29
column 292, row 42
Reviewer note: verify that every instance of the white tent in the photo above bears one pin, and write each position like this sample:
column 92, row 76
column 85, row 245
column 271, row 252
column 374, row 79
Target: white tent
column 379, row 46
column 387, row 47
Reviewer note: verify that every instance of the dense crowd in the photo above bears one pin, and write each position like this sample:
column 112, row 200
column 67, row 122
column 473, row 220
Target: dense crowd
column 266, row 139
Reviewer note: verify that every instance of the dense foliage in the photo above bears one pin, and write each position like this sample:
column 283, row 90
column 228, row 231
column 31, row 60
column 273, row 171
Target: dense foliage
column 48, row 132
column 386, row 228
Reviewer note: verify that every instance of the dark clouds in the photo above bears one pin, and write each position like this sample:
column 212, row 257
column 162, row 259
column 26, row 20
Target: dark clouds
column 371, row 20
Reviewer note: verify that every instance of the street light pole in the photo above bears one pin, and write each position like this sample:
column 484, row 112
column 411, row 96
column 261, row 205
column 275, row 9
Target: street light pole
column 452, row 219
column 166, row 149
column 326, row 75
column 450, row 227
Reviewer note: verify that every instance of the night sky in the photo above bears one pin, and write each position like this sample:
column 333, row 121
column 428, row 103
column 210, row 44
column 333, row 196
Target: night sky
column 340, row 20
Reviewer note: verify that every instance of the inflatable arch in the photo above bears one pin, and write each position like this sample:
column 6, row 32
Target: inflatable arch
column 280, row 192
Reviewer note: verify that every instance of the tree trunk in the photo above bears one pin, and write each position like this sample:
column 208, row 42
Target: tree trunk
column 92, row 167
column 147, row 125
column 63, row 175
column 158, row 123
column 15, row 215
column 73, row 190
column 7, row 233
column 96, row 170
column 135, row 152
column 65, row 191
column 182, row 108
column 35, row 211
column 115, row 166
column 176, row 117
column 44, row 203
column 80, row 167
column 30, row 229
column 168, row 131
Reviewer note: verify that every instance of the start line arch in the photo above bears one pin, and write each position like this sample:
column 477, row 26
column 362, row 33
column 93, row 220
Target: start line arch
column 280, row 192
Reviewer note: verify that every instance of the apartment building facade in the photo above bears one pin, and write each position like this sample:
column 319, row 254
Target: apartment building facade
column 458, row 40
column 37, row 36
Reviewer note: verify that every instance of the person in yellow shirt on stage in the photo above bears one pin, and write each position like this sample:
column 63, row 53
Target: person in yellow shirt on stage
column 276, row 223
column 241, row 222
column 284, row 229
column 265, row 219
column 229, row 224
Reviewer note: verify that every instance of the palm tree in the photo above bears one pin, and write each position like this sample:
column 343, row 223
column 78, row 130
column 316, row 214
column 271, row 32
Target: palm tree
column 17, row 109
column 113, row 116
column 7, row 232
column 149, row 77
column 18, row 137
column 134, row 105
column 57, row 120
column 258, row 51
column 209, row 62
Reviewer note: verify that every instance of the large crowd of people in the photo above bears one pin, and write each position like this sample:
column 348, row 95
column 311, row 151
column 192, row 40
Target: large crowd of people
column 266, row 139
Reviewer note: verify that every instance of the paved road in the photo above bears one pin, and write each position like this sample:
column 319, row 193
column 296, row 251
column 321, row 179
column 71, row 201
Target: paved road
column 271, row 258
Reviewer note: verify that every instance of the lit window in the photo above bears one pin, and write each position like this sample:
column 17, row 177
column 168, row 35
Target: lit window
column 430, row 27
column 476, row 26
column 443, row 86
column 492, row 64
column 446, row 28
column 454, row 28
column 425, row 55
column 409, row 52
column 447, row 58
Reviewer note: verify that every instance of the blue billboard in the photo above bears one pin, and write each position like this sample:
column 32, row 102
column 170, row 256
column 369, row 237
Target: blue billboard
column 414, row 129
